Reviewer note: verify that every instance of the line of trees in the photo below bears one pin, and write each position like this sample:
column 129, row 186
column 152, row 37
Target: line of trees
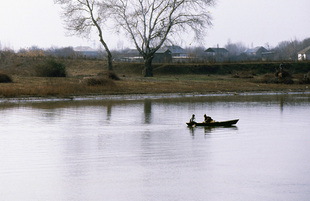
column 284, row 51
column 287, row 50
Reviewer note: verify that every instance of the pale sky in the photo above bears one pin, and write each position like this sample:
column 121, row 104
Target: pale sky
column 26, row 23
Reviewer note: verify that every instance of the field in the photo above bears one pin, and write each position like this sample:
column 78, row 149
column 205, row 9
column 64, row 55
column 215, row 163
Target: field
column 168, row 78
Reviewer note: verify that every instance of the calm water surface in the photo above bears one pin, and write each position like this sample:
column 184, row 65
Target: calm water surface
column 123, row 150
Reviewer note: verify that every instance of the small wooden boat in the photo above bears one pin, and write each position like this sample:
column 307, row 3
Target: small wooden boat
column 214, row 123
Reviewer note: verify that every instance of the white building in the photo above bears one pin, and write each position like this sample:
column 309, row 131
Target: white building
column 304, row 54
column 87, row 52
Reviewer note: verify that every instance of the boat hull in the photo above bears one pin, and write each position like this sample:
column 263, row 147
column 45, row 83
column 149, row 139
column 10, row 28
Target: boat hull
column 216, row 123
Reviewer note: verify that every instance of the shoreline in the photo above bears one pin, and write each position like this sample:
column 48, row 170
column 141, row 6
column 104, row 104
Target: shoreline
column 153, row 96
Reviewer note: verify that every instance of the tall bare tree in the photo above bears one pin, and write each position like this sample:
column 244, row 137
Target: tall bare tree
column 82, row 15
column 150, row 23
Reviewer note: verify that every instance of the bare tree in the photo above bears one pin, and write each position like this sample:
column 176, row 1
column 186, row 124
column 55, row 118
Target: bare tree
column 287, row 50
column 82, row 15
column 235, row 48
column 150, row 23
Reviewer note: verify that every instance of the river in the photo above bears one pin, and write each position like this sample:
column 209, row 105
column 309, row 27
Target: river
column 139, row 148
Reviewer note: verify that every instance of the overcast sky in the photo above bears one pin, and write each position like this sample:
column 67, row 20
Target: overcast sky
column 26, row 23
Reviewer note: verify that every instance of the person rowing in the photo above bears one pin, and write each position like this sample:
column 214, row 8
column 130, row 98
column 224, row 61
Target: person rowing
column 192, row 120
column 207, row 119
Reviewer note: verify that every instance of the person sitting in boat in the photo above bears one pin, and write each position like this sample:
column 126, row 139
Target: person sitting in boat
column 207, row 119
column 192, row 119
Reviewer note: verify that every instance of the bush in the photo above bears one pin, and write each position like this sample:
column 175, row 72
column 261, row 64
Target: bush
column 112, row 75
column 271, row 79
column 109, row 75
column 243, row 74
column 98, row 81
column 283, row 74
column 4, row 78
column 51, row 68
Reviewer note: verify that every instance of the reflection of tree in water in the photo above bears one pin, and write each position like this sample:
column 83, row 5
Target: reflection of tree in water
column 109, row 111
column 281, row 104
column 147, row 111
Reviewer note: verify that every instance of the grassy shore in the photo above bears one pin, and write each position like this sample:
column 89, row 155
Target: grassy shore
column 26, row 84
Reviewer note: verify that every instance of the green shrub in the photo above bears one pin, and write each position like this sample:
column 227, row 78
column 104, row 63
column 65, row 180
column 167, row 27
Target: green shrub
column 51, row 68
column 4, row 78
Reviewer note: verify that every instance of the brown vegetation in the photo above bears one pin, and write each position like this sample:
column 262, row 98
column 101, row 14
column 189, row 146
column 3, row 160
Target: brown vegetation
column 109, row 75
column 26, row 83
column 280, row 77
column 98, row 81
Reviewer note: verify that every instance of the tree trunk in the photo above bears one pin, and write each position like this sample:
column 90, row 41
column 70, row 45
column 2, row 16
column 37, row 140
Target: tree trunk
column 148, row 69
column 110, row 65
column 109, row 57
column 104, row 44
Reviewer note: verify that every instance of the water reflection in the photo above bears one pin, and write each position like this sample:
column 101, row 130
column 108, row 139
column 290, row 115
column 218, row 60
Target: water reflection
column 147, row 111
column 282, row 99
column 109, row 111
column 209, row 130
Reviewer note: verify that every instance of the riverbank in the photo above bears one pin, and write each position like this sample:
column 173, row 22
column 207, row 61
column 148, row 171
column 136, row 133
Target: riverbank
column 33, row 88
column 168, row 79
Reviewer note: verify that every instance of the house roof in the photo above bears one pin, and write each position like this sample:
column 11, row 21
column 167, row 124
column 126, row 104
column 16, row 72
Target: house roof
column 216, row 50
column 256, row 50
column 304, row 51
column 176, row 49
column 136, row 52
column 163, row 50
column 133, row 51
column 84, row 49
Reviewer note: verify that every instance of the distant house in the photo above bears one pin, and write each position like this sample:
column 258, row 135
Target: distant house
column 304, row 54
column 178, row 54
column 133, row 52
column 267, row 56
column 176, row 51
column 132, row 55
column 163, row 55
column 87, row 52
column 259, row 53
column 256, row 51
column 217, row 54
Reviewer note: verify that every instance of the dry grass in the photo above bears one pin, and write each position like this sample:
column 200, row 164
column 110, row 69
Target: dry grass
column 98, row 81
column 37, row 86
column 199, row 84
column 132, row 82
column 62, row 87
